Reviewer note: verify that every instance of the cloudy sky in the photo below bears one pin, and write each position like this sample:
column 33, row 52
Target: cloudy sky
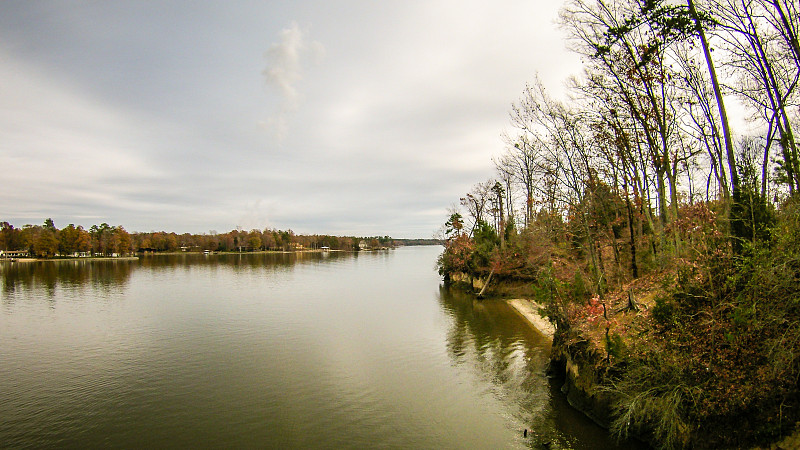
column 340, row 117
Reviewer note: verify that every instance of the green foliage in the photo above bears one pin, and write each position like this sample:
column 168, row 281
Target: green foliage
column 547, row 290
column 485, row 236
column 471, row 256
column 578, row 287
column 606, row 208
column 752, row 216
column 486, row 241
column 73, row 239
column 787, row 228
column 254, row 241
column 510, row 230
column 651, row 399
column 546, row 286
column 719, row 353
column 104, row 239
column 670, row 23
column 615, row 346
column 454, row 224
column 664, row 312
column 50, row 225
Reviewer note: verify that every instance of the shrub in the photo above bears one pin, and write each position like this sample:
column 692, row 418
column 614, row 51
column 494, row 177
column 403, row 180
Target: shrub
column 664, row 312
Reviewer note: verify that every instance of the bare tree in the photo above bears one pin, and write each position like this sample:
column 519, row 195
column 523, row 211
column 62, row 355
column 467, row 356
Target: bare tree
column 567, row 156
column 760, row 38
column 642, row 82
column 476, row 202
column 519, row 164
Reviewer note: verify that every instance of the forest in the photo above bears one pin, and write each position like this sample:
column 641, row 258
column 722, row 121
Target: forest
column 47, row 241
column 660, row 240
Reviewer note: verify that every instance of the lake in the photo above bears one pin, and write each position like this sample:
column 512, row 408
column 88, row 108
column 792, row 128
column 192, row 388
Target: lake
column 306, row 350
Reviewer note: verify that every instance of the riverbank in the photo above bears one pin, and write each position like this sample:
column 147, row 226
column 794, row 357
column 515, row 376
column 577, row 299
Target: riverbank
column 579, row 367
column 605, row 351
column 686, row 346
column 529, row 310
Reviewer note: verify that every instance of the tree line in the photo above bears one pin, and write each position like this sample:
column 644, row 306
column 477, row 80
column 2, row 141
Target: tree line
column 645, row 134
column 104, row 240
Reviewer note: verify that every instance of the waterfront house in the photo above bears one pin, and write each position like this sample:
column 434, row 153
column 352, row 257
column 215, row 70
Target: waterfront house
column 13, row 254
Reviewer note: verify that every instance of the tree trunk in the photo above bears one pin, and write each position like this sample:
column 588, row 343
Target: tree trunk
column 791, row 35
column 634, row 266
column 488, row 279
column 723, row 115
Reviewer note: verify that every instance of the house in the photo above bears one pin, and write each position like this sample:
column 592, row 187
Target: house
column 13, row 254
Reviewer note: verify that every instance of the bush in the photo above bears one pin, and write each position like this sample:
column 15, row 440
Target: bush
column 720, row 368
column 664, row 312
column 579, row 290
column 651, row 400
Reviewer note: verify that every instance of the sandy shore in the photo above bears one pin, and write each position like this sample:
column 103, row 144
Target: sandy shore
column 529, row 310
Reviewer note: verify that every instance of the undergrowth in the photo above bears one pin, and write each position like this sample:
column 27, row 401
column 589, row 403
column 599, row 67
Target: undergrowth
column 718, row 364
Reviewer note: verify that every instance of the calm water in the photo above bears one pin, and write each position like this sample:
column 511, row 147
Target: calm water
column 302, row 351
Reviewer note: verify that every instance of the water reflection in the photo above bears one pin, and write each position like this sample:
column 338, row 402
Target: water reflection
column 271, row 260
column 302, row 350
column 505, row 352
column 48, row 277
column 106, row 275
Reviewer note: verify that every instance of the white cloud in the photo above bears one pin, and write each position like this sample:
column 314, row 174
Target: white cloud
column 285, row 60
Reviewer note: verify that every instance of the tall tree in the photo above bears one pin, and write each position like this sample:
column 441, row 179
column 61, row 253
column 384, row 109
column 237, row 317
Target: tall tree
column 762, row 52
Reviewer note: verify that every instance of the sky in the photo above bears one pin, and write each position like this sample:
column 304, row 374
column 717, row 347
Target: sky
column 332, row 117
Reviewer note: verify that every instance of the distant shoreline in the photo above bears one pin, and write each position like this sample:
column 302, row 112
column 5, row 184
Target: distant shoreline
column 149, row 254
column 89, row 258
column 176, row 253
column 258, row 252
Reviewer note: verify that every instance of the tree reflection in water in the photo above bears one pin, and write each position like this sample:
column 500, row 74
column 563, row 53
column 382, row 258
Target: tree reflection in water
column 103, row 276
column 108, row 276
column 509, row 357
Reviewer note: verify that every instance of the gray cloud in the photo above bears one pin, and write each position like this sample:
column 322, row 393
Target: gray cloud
column 148, row 115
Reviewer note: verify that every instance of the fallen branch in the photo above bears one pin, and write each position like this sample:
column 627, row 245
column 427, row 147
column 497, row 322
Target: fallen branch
column 488, row 279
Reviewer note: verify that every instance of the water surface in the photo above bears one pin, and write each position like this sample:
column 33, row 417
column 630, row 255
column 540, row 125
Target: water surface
column 270, row 350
